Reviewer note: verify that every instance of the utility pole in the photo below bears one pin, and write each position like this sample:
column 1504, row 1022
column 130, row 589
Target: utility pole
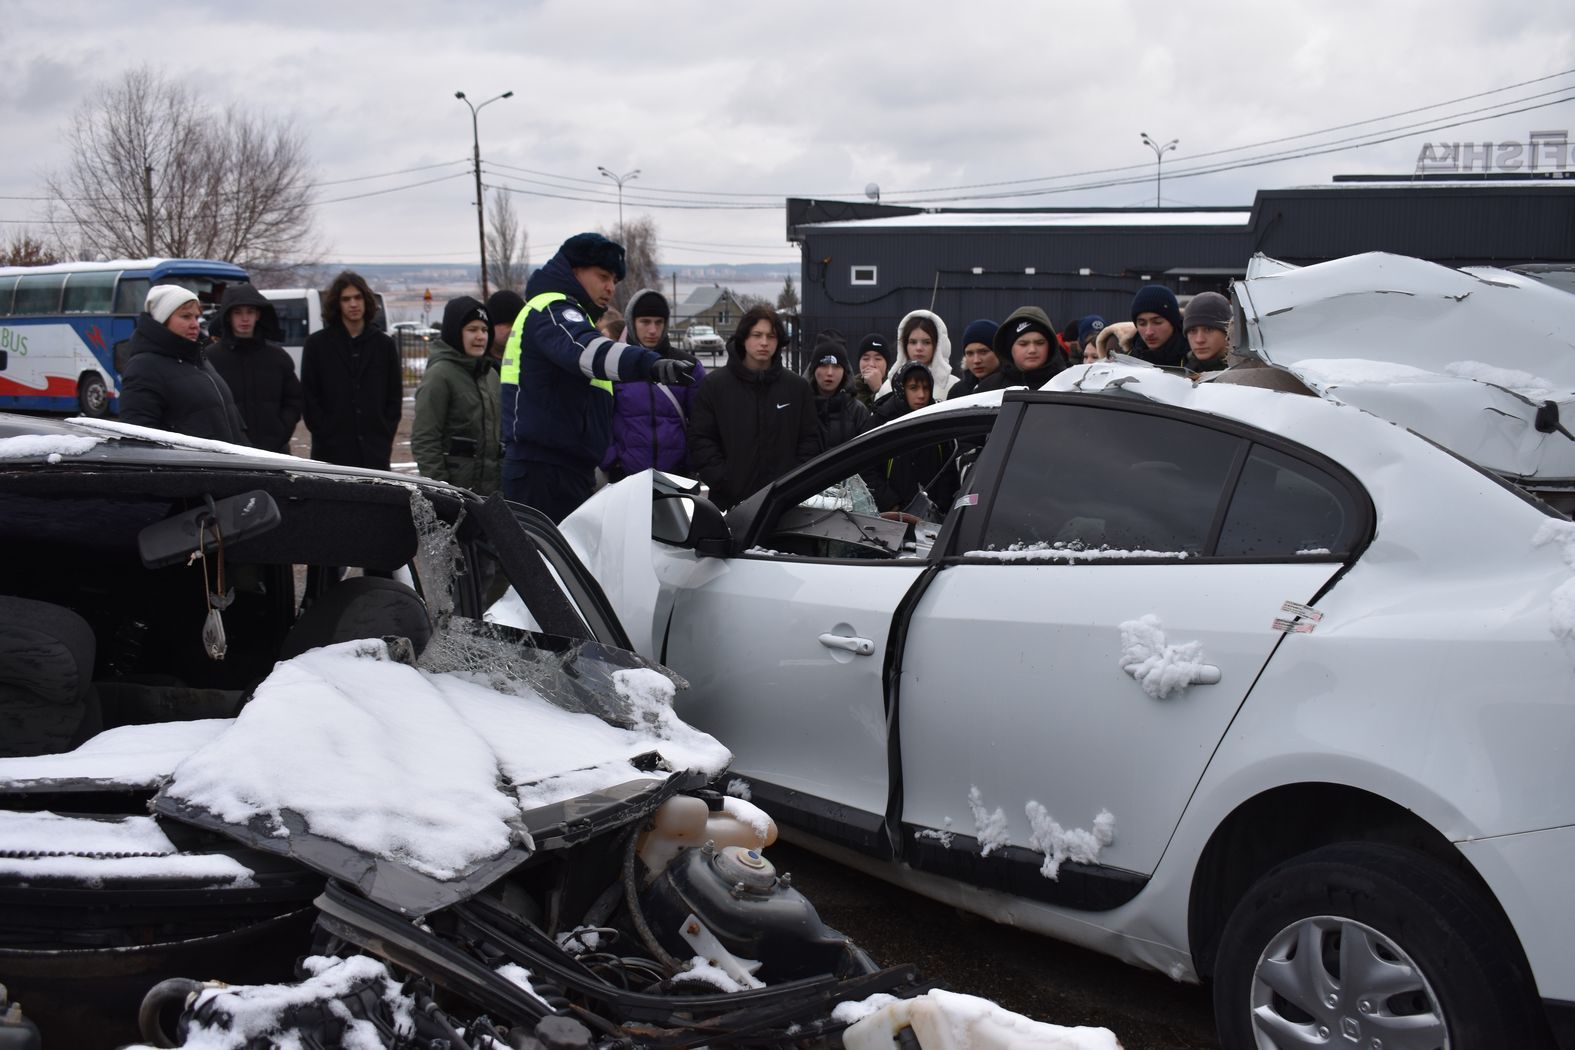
column 147, row 204
column 475, row 152
column 1159, row 153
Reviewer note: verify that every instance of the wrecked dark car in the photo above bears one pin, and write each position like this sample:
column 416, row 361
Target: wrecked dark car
column 255, row 727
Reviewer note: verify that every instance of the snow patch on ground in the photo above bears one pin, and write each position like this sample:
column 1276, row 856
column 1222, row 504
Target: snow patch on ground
column 959, row 1022
column 989, row 828
column 1561, row 612
column 46, row 446
column 1528, row 386
column 1060, row 844
column 1161, row 669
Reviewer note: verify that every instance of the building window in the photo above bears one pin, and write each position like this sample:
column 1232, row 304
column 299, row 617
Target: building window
column 863, row 275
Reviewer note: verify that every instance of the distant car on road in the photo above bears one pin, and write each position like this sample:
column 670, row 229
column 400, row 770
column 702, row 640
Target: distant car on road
column 414, row 328
column 702, row 338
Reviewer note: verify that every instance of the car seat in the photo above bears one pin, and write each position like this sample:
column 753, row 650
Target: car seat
column 360, row 607
column 47, row 701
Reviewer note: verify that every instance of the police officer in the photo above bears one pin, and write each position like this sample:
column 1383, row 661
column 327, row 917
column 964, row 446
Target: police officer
column 557, row 377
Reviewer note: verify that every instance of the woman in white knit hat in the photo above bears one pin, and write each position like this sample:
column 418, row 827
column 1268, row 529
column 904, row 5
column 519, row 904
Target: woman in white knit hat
column 167, row 382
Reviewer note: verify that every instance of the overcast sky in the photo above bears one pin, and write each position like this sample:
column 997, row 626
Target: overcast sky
column 744, row 104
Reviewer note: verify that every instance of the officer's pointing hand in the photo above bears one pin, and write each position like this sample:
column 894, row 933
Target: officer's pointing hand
column 673, row 373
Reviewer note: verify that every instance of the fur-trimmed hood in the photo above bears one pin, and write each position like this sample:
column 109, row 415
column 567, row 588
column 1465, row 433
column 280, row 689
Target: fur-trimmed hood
column 940, row 367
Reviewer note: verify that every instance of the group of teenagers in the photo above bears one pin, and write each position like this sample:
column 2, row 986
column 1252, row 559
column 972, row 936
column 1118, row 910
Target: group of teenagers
column 527, row 396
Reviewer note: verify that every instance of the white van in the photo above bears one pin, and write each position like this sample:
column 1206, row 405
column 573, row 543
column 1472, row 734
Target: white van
column 300, row 313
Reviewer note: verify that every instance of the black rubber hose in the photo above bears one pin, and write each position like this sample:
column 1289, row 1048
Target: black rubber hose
column 631, row 896
column 174, row 990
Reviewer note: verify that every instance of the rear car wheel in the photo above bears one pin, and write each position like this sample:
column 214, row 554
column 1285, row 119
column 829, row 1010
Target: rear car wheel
column 1372, row 947
column 92, row 394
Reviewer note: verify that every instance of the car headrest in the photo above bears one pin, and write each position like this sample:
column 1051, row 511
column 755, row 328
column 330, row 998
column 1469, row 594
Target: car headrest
column 45, row 650
column 360, row 607
column 46, row 677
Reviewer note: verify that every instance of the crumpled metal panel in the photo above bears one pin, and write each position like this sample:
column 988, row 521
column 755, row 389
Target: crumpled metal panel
column 1428, row 347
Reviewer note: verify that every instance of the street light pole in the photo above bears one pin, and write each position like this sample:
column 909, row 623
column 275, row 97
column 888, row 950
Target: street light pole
column 475, row 154
column 1159, row 153
column 620, row 180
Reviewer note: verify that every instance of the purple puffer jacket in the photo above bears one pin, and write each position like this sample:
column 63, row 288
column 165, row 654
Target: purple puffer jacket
column 648, row 426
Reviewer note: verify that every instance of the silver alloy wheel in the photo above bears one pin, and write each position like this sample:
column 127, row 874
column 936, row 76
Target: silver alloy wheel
column 1327, row 980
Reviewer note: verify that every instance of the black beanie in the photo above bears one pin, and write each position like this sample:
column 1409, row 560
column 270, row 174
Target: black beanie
column 459, row 312
column 504, row 305
column 877, row 342
column 1157, row 299
column 647, row 304
column 592, row 249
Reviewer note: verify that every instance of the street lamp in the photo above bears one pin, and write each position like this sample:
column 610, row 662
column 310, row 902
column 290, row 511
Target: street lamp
column 620, row 180
column 475, row 152
column 1159, row 153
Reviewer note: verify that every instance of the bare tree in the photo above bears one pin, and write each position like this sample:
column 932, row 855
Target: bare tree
column 508, row 245
column 639, row 259
column 23, row 249
column 787, row 298
column 153, row 170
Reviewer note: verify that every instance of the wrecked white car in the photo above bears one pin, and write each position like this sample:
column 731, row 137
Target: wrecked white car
column 1241, row 685
column 220, row 757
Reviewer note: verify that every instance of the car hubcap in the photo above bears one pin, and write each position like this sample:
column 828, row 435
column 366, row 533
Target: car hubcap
column 1330, row 981
column 95, row 396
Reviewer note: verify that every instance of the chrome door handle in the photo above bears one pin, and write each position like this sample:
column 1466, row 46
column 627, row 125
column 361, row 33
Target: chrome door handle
column 1208, row 674
column 857, row 646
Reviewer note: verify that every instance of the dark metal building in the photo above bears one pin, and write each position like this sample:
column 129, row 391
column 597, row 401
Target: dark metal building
column 865, row 265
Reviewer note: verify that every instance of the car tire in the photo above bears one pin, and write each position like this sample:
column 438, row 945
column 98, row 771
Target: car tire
column 1435, row 957
column 92, row 395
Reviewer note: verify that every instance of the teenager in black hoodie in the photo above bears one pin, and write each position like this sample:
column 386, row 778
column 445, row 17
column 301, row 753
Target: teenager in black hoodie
column 753, row 420
column 259, row 372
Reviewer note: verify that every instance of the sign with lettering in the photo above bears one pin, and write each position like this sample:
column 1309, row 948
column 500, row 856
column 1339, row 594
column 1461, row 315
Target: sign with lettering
column 1547, row 151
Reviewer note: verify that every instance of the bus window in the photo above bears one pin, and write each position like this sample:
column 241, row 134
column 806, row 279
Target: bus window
column 131, row 295
column 38, row 293
column 7, row 286
column 88, row 293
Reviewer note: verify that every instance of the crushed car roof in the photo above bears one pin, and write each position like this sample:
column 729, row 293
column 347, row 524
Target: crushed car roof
column 1464, row 357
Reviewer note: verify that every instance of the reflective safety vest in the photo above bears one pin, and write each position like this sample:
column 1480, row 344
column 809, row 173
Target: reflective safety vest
column 510, row 373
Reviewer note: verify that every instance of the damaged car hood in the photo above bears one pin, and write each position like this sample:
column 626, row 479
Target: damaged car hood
column 420, row 787
column 1463, row 357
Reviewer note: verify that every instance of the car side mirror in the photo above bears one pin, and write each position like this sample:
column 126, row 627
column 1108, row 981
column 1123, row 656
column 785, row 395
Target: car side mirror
column 227, row 520
column 690, row 521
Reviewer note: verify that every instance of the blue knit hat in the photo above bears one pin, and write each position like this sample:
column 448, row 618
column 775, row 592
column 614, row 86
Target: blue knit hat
column 980, row 331
column 1157, row 299
column 592, row 249
column 1089, row 327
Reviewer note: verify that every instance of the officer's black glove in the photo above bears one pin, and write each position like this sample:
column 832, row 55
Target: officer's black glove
column 673, row 373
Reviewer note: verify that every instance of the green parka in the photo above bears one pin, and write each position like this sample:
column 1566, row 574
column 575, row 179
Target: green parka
column 455, row 435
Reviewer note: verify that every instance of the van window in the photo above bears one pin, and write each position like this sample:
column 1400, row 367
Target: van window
column 294, row 320
column 38, row 293
column 89, row 293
